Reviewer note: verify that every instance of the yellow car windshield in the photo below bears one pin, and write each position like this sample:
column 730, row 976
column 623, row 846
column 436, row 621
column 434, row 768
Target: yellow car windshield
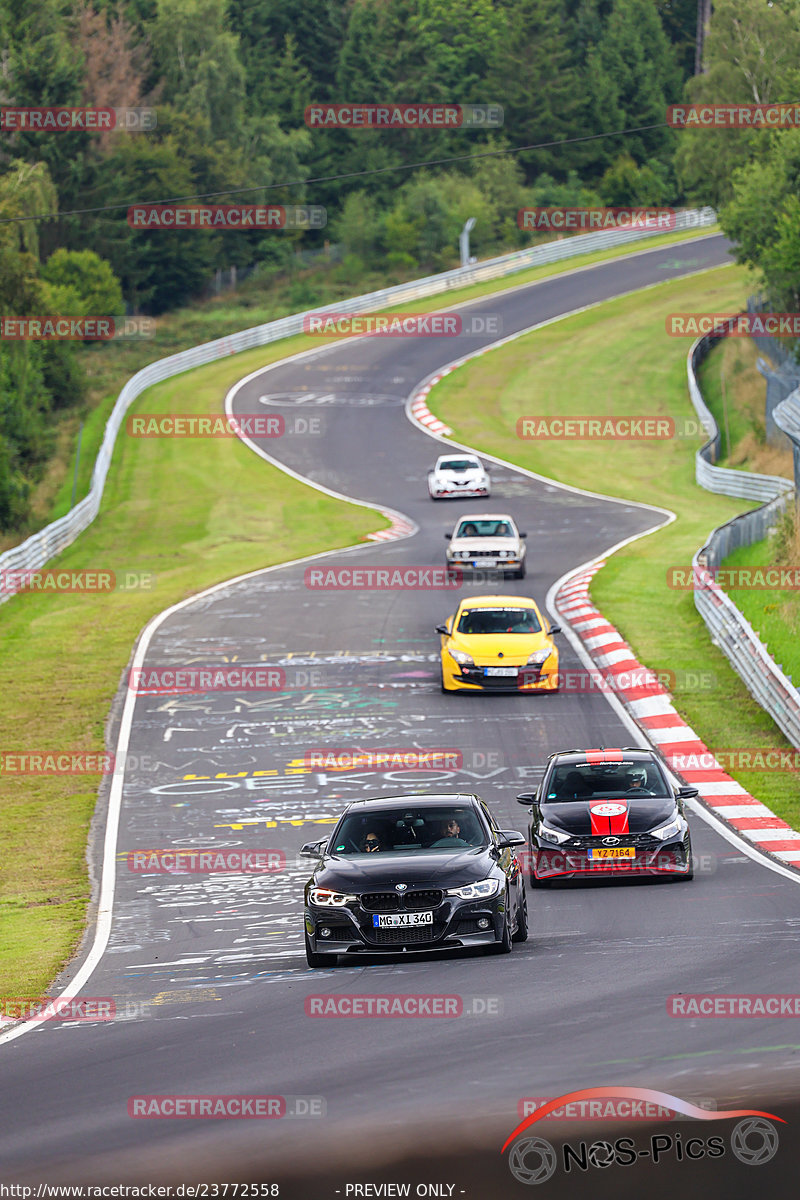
column 498, row 620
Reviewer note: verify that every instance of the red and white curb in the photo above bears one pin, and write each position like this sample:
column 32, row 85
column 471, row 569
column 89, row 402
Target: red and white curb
column 651, row 706
column 399, row 528
column 419, row 407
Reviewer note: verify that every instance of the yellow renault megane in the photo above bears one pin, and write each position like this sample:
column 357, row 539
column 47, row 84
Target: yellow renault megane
column 498, row 644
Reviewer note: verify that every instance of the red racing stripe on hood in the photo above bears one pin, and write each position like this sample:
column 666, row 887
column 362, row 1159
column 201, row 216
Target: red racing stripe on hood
column 609, row 816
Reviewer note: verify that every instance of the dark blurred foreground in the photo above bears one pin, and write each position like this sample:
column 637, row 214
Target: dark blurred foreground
column 455, row 1157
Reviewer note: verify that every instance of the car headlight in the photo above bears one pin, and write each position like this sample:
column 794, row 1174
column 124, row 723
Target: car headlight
column 539, row 657
column 671, row 829
column 476, row 891
column 548, row 834
column 325, row 898
column 461, row 657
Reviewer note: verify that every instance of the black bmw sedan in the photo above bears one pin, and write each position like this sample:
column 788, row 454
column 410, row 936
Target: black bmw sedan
column 607, row 811
column 414, row 873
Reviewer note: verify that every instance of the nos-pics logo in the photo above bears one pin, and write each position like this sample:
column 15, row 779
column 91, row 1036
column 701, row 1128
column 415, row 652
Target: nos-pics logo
column 533, row 1159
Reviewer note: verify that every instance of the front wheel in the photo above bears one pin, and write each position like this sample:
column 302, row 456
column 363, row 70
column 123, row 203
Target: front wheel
column 442, row 683
column 535, row 882
column 690, row 873
column 522, row 920
column 521, row 572
column 318, row 960
column 504, row 945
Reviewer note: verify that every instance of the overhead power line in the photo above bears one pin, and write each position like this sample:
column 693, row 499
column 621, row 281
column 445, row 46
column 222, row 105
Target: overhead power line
column 290, row 183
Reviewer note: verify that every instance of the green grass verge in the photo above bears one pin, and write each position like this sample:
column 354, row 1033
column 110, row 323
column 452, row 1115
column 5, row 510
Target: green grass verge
column 192, row 512
column 773, row 613
column 615, row 360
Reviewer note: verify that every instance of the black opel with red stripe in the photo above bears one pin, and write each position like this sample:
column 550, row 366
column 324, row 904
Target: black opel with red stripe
column 601, row 812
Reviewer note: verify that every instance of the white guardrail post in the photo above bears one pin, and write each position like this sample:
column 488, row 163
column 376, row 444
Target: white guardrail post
column 729, row 629
column 44, row 545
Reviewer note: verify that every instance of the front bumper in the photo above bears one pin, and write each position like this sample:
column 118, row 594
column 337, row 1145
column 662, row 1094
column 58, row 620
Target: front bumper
column 455, row 926
column 447, row 493
column 527, row 679
column 548, row 861
column 489, row 562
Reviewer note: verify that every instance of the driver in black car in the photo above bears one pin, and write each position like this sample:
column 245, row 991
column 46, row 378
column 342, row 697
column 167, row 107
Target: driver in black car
column 637, row 780
column 449, row 834
column 371, row 842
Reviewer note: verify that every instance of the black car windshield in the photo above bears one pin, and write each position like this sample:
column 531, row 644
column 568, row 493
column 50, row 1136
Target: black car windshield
column 587, row 781
column 471, row 528
column 498, row 620
column 459, row 464
column 402, row 830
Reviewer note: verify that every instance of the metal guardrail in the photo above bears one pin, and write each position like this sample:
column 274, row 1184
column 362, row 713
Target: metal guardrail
column 728, row 627
column 40, row 547
column 786, row 416
column 725, row 481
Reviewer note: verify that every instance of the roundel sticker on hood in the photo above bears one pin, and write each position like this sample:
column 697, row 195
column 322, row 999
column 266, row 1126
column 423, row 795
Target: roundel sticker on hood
column 608, row 809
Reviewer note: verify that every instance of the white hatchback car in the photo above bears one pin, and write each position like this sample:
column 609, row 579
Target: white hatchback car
column 487, row 540
column 458, row 475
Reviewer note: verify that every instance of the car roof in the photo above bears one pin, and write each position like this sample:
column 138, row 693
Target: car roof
column 486, row 517
column 602, row 755
column 499, row 601
column 416, row 799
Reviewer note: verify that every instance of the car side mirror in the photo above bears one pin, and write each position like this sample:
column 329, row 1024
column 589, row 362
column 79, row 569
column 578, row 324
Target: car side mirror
column 509, row 837
column 442, row 629
column 555, row 629
column 447, row 537
column 312, row 849
column 523, row 535
column 526, row 798
column 686, row 793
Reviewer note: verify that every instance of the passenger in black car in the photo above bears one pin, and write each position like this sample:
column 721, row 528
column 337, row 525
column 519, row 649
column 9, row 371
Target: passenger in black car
column 371, row 842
